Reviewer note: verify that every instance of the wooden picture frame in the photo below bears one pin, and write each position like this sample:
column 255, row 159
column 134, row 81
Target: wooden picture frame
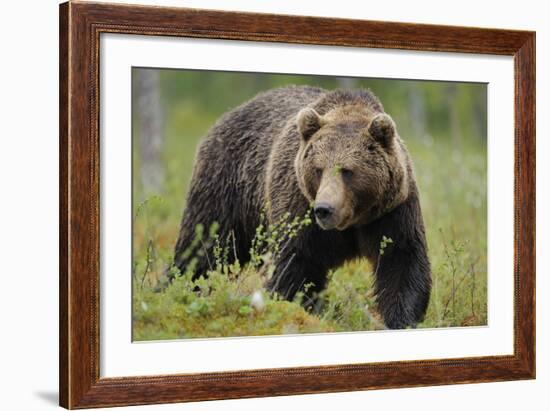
column 80, row 27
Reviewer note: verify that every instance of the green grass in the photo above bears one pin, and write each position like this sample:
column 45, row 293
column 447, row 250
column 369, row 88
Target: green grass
column 232, row 302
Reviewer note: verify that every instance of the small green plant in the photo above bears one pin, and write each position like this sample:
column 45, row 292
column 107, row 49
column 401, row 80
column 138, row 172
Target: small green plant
column 271, row 240
column 348, row 301
column 457, row 300
column 384, row 243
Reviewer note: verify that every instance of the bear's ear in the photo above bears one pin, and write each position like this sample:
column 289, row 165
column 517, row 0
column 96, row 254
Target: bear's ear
column 382, row 128
column 308, row 122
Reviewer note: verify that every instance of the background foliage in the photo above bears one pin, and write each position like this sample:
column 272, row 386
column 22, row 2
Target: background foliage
column 444, row 127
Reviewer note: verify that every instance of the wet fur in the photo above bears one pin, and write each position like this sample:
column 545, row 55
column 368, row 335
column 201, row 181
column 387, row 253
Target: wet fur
column 251, row 160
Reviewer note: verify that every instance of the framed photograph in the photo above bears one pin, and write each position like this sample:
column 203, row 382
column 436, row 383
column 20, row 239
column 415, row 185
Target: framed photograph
column 259, row 205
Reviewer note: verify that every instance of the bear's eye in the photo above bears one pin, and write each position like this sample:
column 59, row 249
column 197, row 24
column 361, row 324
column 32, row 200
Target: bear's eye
column 371, row 147
column 346, row 173
column 319, row 172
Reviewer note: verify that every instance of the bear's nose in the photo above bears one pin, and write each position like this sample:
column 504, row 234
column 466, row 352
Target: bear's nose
column 323, row 211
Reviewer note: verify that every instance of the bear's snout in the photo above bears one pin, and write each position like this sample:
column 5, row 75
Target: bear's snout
column 327, row 216
column 323, row 211
column 330, row 203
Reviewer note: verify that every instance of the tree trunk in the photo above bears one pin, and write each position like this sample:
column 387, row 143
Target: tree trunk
column 346, row 82
column 417, row 102
column 150, row 121
column 454, row 115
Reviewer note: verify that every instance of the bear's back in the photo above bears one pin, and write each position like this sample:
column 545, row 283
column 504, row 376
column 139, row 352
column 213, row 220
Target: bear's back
column 236, row 151
column 266, row 112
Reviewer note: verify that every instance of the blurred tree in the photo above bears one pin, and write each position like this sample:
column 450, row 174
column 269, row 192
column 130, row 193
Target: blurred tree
column 346, row 82
column 479, row 114
column 150, row 120
column 453, row 106
column 417, row 104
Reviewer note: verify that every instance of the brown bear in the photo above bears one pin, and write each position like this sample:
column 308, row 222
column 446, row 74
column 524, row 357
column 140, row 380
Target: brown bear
column 294, row 148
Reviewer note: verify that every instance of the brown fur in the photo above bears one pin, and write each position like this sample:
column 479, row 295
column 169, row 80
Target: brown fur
column 290, row 148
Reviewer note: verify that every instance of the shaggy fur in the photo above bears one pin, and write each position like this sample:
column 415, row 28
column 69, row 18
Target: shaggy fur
column 288, row 148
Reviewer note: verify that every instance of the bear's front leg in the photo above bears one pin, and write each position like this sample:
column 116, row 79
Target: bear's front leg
column 304, row 263
column 402, row 286
column 402, row 269
column 294, row 273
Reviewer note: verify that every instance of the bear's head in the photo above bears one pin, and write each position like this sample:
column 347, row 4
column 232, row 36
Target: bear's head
column 351, row 165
